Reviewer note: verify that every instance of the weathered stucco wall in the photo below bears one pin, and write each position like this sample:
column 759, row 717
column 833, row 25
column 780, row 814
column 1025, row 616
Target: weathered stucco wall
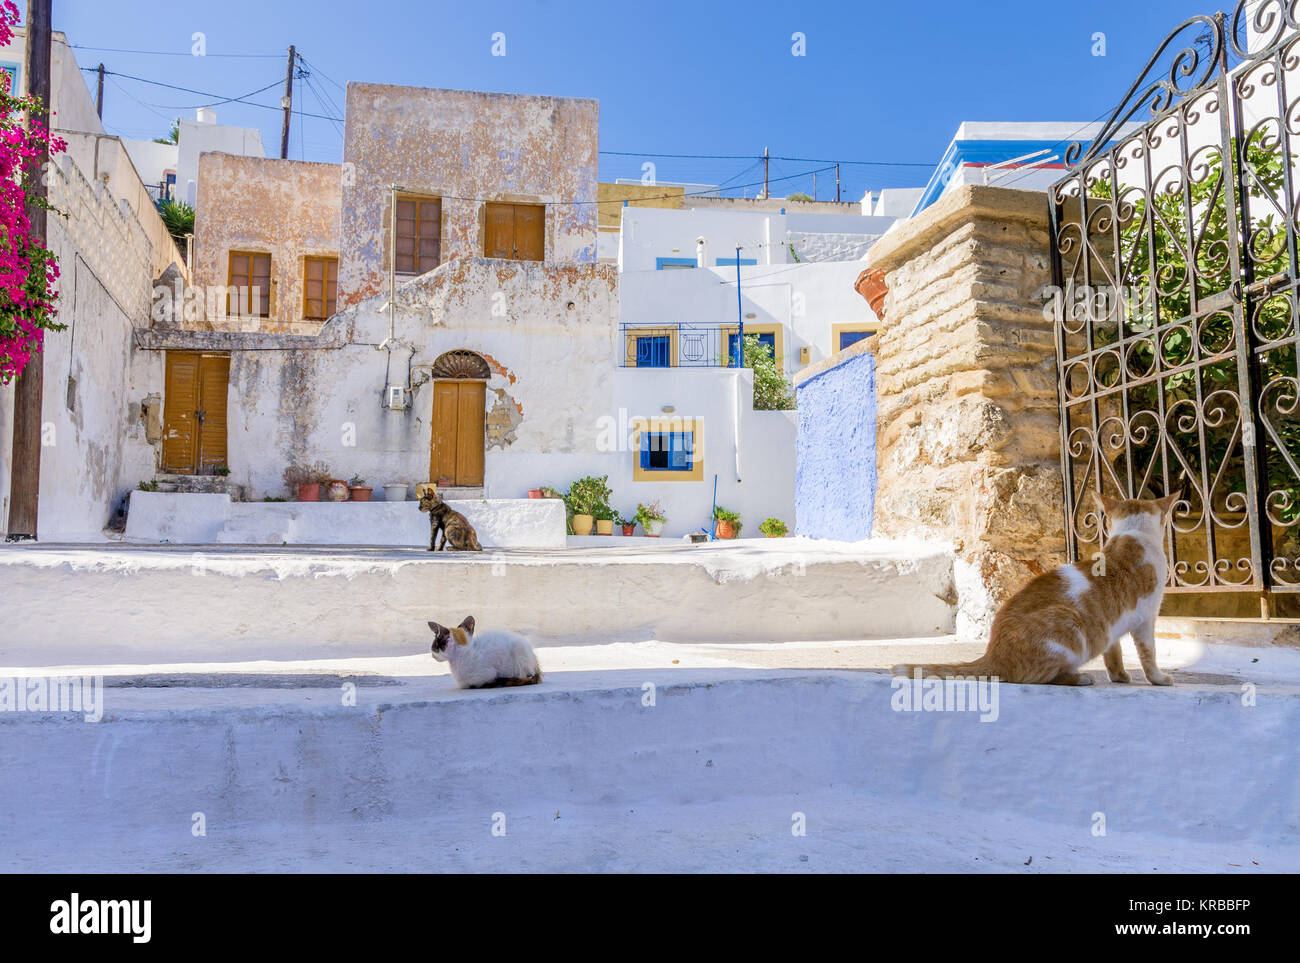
column 546, row 330
column 969, row 444
column 835, row 470
column 288, row 209
column 467, row 148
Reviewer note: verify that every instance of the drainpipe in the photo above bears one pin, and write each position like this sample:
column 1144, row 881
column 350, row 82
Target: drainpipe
column 735, row 417
column 392, row 263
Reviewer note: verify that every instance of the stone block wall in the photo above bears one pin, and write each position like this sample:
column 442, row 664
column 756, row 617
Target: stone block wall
column 968, row 430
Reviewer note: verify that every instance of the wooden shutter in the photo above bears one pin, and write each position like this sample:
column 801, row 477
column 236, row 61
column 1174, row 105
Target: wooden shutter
column 442, row 456
column 180, row 407
column 530, row 232
column 469, row 433
column 214, row 384
column 419, row 234
column 248, row 271
column 320, row 287
column 499, row 231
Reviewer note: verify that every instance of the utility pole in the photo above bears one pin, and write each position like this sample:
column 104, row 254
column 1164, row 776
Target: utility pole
column 25, row 463
column 837, row 182
column 99, row 93
column 766, row 195
column 814, row 185
column 287, row 103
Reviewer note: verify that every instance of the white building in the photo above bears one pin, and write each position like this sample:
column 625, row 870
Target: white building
column 174, row 168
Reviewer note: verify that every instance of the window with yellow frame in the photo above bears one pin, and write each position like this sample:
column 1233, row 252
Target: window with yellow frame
column 771, row 335
column 650, row 347
column 668, row 449
column 845, row 335
column 320, row 281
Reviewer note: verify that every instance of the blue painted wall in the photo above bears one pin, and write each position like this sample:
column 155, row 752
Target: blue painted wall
column 835, row 473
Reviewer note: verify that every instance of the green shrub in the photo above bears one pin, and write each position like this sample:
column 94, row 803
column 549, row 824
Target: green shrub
column 773, row 528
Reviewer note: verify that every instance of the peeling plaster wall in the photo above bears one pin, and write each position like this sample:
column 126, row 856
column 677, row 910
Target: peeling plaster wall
column 466, row 147
column 304, row 400
column 289, row 209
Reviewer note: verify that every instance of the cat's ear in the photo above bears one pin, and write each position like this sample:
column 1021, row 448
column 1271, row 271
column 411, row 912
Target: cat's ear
column 468, row 624
column 1108, row 504
column 437, row 629
column 1167, row 503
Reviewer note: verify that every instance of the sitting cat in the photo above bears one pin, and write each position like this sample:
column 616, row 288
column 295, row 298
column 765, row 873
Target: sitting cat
column 1063, row 618
column 495, row 658
column 454, row 526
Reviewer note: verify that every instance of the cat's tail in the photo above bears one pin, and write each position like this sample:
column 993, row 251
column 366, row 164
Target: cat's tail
column 983, row 666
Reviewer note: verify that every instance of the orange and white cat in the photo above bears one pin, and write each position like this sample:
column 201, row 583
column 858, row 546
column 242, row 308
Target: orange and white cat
column 1064, row 618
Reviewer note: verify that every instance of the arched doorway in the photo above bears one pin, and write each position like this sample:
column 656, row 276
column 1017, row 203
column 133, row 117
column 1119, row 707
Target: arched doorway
column 459, row 405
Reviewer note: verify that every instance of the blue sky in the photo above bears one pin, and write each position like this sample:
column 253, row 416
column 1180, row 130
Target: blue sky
column 881, row 82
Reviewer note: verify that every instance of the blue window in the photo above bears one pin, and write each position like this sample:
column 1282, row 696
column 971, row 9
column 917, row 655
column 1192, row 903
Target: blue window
column 852, row 337
column 671, row 263
column 731, row 261
column 667, row 450
column 652, row 351
column 733, row 346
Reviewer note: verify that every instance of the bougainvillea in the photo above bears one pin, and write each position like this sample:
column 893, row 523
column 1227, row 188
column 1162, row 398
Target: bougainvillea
column 28, row 269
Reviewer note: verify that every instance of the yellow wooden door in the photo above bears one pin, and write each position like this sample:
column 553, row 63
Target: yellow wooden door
column 196, row 389
column 456, row 453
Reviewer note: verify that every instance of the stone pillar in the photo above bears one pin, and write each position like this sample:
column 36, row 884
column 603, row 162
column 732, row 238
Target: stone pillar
column 968, row 439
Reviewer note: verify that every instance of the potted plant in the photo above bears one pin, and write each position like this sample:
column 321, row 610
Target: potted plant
column 628, row 525
column 337, row 490
column 358, row 489
column 605, row 517
column 651, row 517
column 305, row 481
column 773, row 528
column 586, row 496
column 535, row 493
column 726, row 523
column 395, row 492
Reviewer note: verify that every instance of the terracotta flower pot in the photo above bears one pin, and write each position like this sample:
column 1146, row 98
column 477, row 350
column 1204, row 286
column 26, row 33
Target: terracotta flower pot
column 338, row 491
column 629, row 529
column 309, row 492
column 604, row 526
column 582, row 524
column 871, row 285
column 360, row 493
column 724, row 529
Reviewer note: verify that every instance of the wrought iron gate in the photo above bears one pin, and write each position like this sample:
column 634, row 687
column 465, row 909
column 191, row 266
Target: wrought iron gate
column 1174, row 252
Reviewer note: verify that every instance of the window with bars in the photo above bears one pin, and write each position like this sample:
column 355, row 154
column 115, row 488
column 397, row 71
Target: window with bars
column 419, row 234
column 249, row 285
column 319, row 287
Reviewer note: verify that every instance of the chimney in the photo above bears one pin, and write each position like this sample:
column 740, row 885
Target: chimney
column 205, row 115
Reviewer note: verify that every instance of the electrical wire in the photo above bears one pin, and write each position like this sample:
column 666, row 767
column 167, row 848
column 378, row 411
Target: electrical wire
column 170, row 53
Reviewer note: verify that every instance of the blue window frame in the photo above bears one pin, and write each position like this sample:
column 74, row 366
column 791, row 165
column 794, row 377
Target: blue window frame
column 731, row 261
column 667, row 450
column 672, row 263
column 852, row 337
column 652, row 351
column 733, row 347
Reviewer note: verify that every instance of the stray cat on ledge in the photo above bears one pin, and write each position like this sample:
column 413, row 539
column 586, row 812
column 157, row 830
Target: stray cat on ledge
column 1064, row 618
column 494, row 658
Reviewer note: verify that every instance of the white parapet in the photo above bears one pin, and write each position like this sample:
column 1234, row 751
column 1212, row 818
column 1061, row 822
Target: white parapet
column 201, row 519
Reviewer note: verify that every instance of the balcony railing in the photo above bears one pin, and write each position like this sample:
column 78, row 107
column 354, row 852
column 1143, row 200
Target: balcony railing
column 679, row 345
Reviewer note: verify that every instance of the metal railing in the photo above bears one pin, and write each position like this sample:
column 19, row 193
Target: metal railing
column 647, row 345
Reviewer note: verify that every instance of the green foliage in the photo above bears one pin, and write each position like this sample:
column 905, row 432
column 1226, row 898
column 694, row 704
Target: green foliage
column 588, row 495
column 148, row 486
column 650, row 513
column 772, row 391
column 173, row 135
column 721, row 514
column 773, row 528
column 798, row 196
column 178, row 218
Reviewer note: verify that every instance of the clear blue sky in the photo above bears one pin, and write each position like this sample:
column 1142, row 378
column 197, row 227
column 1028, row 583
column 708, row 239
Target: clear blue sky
column 879, row 82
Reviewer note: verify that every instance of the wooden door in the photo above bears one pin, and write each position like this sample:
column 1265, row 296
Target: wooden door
column 516, row 232
column 196, row 387
column 458, row 422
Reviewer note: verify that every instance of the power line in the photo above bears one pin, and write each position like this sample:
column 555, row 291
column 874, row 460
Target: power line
column 759, row 157
column 205, row 93
column 170, row 53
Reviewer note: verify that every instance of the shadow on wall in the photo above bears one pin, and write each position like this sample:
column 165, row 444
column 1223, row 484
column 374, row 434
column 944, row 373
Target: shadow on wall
column 835, row 471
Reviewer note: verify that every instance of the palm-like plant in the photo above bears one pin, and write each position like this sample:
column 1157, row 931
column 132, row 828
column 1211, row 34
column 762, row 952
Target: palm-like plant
column 178, row 217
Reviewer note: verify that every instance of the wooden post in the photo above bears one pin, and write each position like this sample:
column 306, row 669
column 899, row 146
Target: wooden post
column 287, row 103
column 99, row 93
column 25, row 463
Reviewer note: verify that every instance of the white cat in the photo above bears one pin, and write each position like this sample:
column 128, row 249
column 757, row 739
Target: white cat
column 495, row 658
